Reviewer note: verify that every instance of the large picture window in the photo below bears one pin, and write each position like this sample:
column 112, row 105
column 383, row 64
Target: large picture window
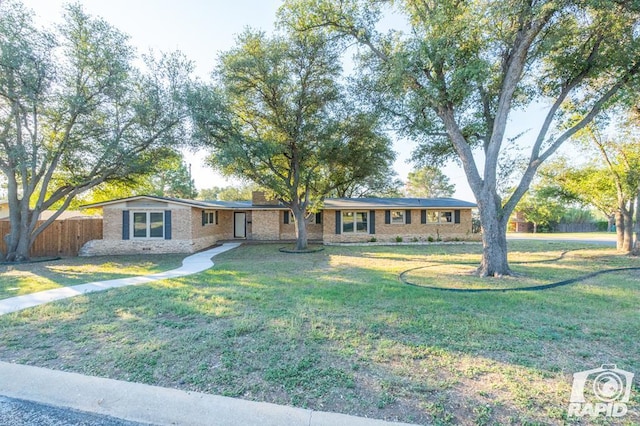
column 148, row 224
column 355, row 222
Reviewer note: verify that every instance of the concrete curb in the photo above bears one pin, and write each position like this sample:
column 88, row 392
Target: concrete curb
column 156, row 405
column 190, row 265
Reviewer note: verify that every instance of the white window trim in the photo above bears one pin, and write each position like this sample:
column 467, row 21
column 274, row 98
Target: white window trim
column 148, row 222
column 402, row 213
column 355, row 222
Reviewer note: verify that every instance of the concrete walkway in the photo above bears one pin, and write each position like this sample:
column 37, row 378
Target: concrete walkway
column 190, row 265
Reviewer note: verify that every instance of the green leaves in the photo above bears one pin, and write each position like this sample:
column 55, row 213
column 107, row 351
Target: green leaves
column 288, row 126
column 75, row 112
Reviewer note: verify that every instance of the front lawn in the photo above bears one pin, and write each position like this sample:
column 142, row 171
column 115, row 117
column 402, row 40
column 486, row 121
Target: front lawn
column 25, row 278
column 337, row 331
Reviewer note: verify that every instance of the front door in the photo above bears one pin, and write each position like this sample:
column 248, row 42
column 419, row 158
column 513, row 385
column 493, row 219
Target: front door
column 240, row 225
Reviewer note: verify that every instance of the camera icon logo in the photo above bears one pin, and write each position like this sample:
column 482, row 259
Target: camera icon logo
column 604, row 390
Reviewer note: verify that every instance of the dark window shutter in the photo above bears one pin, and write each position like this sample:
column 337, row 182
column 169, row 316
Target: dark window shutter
column 125, row 224
column 286, row 217
column 407, row 217
column 456, row 214
column 338, row 222
column 387, row 216
column 167, row 224
column 319, row 218
column 423, row 216
column 216, row 217
column 204, row 218
column 372, row 221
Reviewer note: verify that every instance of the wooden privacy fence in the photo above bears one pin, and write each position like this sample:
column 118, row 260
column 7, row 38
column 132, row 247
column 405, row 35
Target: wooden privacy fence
column 62, row 237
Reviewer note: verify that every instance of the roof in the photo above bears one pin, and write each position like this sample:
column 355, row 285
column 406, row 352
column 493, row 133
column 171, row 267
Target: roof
column 385, row 203
column 193, row 203
column 329, row 203
column 231, row 205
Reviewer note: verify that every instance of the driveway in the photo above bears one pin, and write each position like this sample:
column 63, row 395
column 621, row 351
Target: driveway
column 601, row 238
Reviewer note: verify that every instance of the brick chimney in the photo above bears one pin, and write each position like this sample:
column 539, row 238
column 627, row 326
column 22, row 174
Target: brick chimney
column 259, row 199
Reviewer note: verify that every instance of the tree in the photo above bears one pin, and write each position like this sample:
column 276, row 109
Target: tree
column 429, row 182
column 75, row 113
column 173, row 179
column 451, row 81
column 611, row 182
column 288, row 125
column 170, row 178
column 541, row 207
column 229, row 193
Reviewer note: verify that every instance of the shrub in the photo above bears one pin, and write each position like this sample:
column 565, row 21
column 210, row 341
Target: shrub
column 398, row 239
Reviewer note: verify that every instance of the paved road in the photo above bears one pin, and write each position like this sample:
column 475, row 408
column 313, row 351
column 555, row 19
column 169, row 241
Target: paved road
column 608, row 239
column 16, row 412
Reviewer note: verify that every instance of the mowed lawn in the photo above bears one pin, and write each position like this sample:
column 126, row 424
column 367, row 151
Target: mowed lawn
column 338, row 331
column 26, row 278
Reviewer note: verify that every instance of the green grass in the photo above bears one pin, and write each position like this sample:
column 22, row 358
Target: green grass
column 25, row 278
column 337, row 331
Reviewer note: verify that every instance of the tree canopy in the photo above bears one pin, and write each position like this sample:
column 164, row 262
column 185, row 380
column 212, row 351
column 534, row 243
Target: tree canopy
column 281, row 118
column 75, row 112
column 610, row 181
column 429, row 182
column 451, row 80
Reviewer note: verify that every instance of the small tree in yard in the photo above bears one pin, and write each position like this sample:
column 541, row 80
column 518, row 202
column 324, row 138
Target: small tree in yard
column 282, row 120
column 451, row 81
column 541, row 207
column 611, row 182
column 74, row 113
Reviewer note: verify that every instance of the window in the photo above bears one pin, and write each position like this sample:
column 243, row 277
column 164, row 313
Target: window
column 210, row 217
column 434, row 216
column 446, row 217
column 355, row 222
column 148, row 224
column 397, row 217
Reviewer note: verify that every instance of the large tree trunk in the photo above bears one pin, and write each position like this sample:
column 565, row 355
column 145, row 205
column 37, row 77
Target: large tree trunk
column 301, row 228
column 628, row 228
column 619, row 230
column 625, row 236
column 636, row 226
column 19, row 239
column 494, row 238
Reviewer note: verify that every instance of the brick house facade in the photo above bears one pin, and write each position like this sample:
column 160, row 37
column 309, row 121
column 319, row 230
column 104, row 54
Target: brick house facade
column 147, row 224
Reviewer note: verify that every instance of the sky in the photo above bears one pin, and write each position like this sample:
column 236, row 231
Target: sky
column 202, row 29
